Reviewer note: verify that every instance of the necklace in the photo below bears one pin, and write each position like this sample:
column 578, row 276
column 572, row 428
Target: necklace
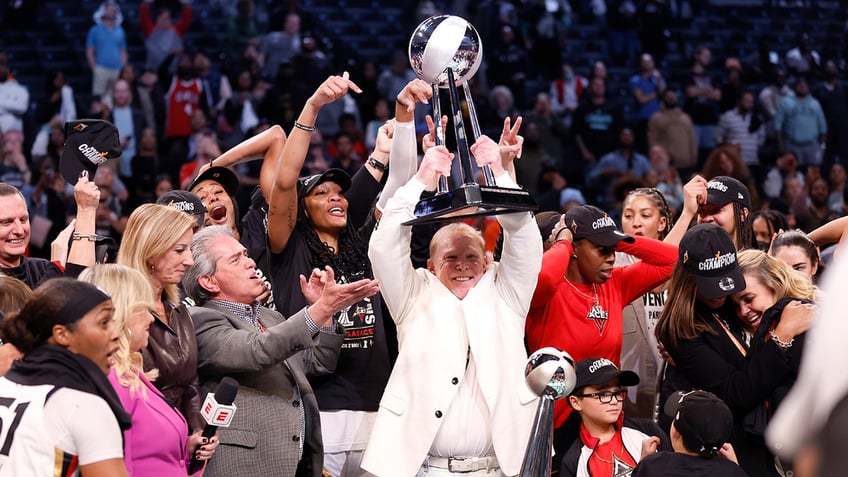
column 597, row 313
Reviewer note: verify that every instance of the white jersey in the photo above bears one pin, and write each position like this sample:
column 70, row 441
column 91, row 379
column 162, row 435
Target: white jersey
column 50, row 432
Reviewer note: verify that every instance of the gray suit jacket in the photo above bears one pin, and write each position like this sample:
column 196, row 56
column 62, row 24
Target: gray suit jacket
column 264, row 437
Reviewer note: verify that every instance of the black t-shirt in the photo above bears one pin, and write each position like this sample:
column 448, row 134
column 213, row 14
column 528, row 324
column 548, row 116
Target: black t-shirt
column 363, row 367
column 704, row 111
column 33, row 271
column 598, row 126
column 672, row 464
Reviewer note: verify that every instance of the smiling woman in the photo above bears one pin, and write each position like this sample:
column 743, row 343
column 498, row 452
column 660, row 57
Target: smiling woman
column 67, row 335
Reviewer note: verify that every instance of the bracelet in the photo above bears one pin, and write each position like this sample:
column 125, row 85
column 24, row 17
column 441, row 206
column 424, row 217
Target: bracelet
column 377, row 164
column 79, row 236
column 780, row 344
column 304, row 127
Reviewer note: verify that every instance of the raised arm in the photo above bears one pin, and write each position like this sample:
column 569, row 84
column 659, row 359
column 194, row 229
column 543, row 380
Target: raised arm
column 282, row 195
column 87, row 196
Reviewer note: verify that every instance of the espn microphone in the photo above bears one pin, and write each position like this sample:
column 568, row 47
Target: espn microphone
column 218, row 411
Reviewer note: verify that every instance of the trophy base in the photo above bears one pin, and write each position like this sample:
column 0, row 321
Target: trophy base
column 471, row 200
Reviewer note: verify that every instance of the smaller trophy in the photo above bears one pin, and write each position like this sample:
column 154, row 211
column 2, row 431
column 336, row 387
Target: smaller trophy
column 446, row 51
column 550, row 374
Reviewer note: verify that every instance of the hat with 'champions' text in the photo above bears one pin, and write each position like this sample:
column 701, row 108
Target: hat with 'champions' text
column 592, row 223
column 707, row 252
column 724, row 190
column 88, row 143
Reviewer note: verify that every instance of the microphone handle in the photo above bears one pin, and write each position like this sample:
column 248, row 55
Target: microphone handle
column 194, row 464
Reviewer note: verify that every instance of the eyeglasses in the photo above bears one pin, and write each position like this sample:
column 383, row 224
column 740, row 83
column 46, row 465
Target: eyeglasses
column 605, row 397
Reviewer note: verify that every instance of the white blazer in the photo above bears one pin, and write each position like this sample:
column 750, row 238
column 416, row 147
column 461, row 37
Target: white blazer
column 435, row 331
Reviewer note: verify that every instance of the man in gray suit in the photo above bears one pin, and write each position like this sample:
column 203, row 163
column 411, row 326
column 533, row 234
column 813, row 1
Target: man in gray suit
column 276, row 429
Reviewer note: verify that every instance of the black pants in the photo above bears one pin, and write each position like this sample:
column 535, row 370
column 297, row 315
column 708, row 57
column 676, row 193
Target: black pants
column 564, row 437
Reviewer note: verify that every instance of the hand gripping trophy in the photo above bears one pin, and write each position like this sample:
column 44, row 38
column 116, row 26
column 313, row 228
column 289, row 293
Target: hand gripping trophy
column 446, row 51
column 550, row 374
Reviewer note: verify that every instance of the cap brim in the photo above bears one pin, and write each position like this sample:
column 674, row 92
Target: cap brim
column 227, row 178
column 337, row 176
column 625, row 378
column 609, row 238
column 720, row 286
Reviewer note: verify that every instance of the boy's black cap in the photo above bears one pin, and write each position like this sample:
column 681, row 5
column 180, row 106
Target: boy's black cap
column 185, row 201
column 88, row 143
column 724, row 190
column 703, row 420
column 222, row 175
column 708, row 254
column 595, row 371
column 592, row 223
column 306, row 184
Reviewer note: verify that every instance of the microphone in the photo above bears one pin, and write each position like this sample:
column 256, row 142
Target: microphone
column 218, row 411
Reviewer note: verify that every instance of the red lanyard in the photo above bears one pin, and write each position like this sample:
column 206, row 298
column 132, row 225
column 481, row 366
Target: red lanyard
column 730, row 335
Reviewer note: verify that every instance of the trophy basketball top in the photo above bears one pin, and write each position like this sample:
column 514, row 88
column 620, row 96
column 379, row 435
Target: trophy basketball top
column 441, row 42
column 550, row 372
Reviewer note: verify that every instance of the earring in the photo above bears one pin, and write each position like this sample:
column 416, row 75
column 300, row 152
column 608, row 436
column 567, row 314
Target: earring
column 129, row 332
column 574, row 256
column 152, row 269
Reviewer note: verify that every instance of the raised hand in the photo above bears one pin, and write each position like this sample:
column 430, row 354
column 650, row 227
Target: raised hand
column 416, row 91
column 437, row 162
column 86, row 193
column 384, row 137
column 429, row 139
column 511, row 142
column 694, row 195
column 333, row 88
column 487, row 152
column 313, row 287
column 336, row 296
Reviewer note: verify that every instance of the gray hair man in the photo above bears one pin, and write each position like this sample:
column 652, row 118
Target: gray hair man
column 277, row 429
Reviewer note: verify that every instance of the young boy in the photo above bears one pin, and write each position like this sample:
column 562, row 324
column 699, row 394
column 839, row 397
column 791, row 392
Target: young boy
column 608, row 445
column 701, row 426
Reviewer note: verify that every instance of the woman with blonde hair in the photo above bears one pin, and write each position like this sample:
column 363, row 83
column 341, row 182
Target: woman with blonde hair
column 157, row 243
column 158, row 442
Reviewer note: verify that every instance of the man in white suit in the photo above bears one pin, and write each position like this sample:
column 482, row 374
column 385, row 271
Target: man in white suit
column 456, row 401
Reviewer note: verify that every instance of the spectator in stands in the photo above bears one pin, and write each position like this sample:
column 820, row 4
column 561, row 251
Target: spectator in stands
column 145, row 168
column 646, row 87
column 622, row 21
column 654, row 22
column 803, row 59
column 381, row 115
column 672, row 129
column 665, row 178
column 216, row 86
column 702, row 99
column 58, row 101
column 762, row 65
column 620, row 162
column 510, row 65
column 741, row 127
column 599, row 70
column 151, row 99
column 817, row 212
column 596, row 122
column 732, row 86
column 111, row 213
column 565, row 94
column 130, row 122
column 837, row 179
column 106, row 50
column 14, row 98
column 280, row 45
column 185, row 97
column 551, row 129
column 242, row 31
column 206, row 149
column 392, row 80
column 49, row 142
column 48, row 207
column 346, row 158
column 832, row 94
column 162, row 37
column 14, row 168
column 785, row 166
column 771, row 96
column 242, row 108
column 801, row 126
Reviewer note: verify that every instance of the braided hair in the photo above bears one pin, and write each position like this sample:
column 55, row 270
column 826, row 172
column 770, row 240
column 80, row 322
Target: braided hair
column 352, row 256
column 660, row 202
column 744, row 236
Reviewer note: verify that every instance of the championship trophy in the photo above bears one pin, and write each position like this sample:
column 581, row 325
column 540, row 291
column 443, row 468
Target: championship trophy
column 446, row 51
column 550, row 374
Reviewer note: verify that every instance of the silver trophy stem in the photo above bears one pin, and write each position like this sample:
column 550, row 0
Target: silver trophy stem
column 537, row 458
column 459, row 125
column 440, row 133
column 475, row 127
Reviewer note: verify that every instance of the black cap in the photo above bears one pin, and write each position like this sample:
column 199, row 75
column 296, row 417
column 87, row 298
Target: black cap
column 306, row 184
column 724, row 190
column 703, row 420
column 592, row 223
column 88, row 143
column 185, row 201
column 595, row 371
column 707, row 252
column 227, row 178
